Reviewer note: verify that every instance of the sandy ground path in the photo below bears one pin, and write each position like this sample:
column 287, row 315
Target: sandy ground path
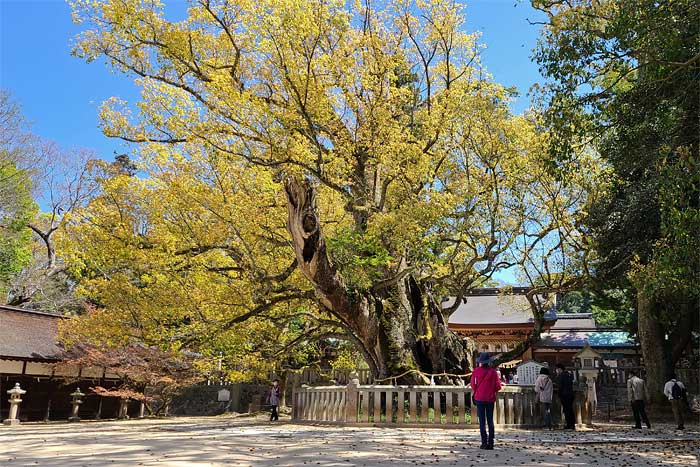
column 195, row 442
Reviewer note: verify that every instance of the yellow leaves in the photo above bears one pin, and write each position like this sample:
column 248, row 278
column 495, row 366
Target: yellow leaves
column 386, row 110
column 175, row 256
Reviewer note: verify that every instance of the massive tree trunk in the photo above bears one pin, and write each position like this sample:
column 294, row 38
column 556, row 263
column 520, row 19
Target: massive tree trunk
column 398, row 324
column 663, row 342
column 654, row 351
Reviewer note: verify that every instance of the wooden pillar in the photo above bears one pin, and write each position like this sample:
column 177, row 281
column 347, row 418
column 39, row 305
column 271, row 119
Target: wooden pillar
column 47, row 414
column 365, row 406
column 412, row 417
column 500, row 407
column 510, row 418
column 313, row 403
column 304, row 405
column 388, row 406
column 323, row 405
column 473, row 411
column 335, row 402
column 98, row 414
column 460, row 407
column 400, row 408
column 377, row 412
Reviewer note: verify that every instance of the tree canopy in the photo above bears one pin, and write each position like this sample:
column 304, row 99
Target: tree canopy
column 334, row 169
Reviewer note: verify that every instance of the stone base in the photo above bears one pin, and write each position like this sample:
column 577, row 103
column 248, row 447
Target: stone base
column 73, row 419
column 10, row 421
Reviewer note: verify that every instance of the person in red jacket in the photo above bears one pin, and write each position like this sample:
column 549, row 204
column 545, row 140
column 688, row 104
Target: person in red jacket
column 485, row 384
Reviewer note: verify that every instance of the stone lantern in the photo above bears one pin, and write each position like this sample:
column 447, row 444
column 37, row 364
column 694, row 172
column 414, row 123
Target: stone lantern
column 14, row 400
column 588, row 362
column 123, row 410
column 77, row 400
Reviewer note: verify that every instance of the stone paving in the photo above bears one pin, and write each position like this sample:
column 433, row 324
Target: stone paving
column 221, row 441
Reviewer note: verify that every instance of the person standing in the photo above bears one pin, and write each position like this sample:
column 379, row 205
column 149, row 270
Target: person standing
column 485, row 384
column 637, row 394
column 273, row 399
column 544, row 387
column 677, row 394
column 565, row 387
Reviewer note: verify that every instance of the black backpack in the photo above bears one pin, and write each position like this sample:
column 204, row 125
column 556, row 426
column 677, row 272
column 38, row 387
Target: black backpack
column 676, row 391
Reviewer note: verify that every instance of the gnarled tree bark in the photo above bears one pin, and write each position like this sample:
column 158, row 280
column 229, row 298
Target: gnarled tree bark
column 399, row 325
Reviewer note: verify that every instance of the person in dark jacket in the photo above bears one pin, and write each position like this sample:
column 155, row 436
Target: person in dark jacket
column 565, row 384
column 273, row 398
column 678, row 397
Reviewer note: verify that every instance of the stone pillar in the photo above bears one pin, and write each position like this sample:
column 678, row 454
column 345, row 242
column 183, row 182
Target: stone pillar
column 14, row 400
column 77, row 400
column 142, row 409
column 351, row 398
column 123, row 411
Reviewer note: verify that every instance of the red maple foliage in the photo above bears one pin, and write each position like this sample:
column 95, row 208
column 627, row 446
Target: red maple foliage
column 146, row 374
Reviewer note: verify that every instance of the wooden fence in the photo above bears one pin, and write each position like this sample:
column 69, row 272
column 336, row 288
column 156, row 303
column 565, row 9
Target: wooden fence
column 618, row 376
column 607, row 377
column 516, row 406
column 313, row 376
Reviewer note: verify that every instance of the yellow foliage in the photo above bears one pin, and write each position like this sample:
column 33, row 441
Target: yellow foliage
column 386, row 109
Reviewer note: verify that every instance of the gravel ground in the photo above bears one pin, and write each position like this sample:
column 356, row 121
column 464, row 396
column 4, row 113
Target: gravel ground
column 219, row 441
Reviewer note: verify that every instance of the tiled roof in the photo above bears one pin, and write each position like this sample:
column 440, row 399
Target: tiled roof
column 28, row 334
column 571, row 321
column 575, row 339
column 494, row 309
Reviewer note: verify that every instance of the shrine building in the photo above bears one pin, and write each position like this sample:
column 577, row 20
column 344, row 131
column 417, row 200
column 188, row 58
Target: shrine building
column 29, row 351
column 499, row 320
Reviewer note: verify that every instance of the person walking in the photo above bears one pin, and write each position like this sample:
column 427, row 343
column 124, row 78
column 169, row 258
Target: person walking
column 637, row 394
column 544, row 387
column 565, row 387
column 485, row 384
column 677, row 395
column 273, row 399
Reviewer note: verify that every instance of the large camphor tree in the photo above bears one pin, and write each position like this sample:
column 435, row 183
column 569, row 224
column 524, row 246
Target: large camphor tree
column 353, row 160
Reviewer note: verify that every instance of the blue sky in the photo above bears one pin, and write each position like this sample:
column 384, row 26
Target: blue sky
column 60, row 94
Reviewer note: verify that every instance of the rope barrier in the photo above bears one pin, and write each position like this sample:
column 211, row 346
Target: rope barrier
column 431, row 375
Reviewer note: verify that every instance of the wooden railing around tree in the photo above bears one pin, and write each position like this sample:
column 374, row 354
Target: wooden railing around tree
column 516, row 406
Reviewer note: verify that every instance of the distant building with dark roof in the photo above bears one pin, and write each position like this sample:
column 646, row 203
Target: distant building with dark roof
column 27, row 336
column 497, row 319
column 500, row 319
